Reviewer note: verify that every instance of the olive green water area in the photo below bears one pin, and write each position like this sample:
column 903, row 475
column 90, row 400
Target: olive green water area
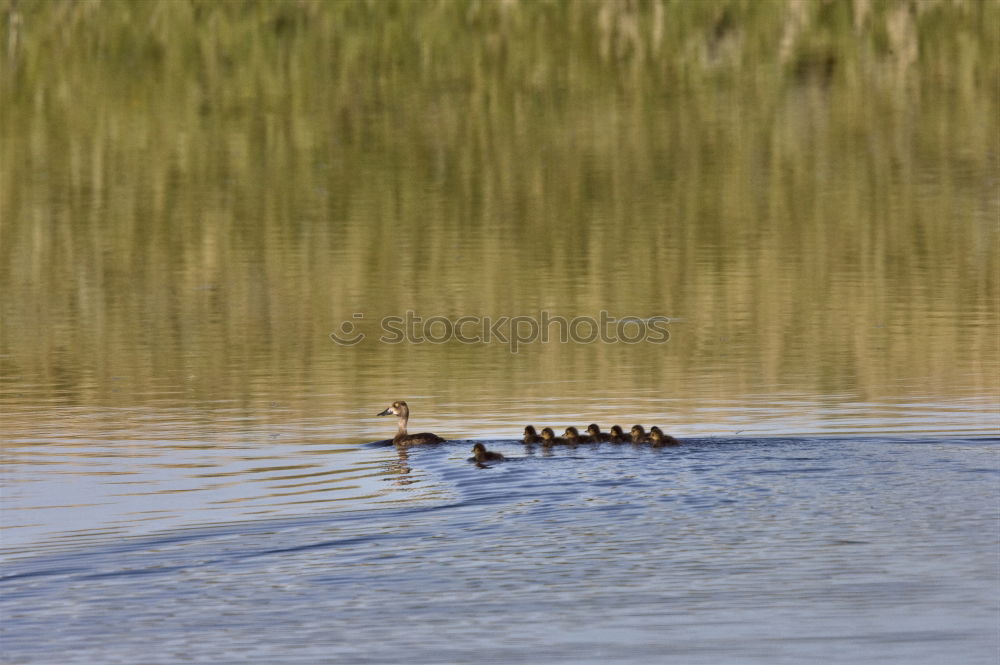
column 193, row 196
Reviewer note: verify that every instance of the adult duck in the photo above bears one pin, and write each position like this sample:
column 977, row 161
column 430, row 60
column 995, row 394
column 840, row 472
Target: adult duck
column 400, row 409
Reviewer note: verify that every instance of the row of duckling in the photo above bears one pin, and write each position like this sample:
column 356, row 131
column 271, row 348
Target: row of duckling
column 656, row 438
column 571, row 437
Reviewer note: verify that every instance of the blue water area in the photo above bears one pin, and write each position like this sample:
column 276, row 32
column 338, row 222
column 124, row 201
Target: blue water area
column 720, row 551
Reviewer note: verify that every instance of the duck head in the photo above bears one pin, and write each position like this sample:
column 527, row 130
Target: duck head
column 397, row 408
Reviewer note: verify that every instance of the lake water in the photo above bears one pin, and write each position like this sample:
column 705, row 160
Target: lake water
column 231, row 235
column 727, row 549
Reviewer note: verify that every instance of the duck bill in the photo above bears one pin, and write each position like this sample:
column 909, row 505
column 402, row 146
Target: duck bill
column 387, row 412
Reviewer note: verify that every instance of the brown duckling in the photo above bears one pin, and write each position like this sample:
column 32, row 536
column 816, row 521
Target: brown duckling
column 618, row 436
column 549, row 437
column 400, row 409
column 574, row 437
column 530, row 435
column 596, row 434
column 480, row 455
column 639, row 434
column 658, row 439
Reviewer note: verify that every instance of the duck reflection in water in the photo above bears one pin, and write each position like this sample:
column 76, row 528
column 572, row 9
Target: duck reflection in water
column 400, row 468
column 400, row 409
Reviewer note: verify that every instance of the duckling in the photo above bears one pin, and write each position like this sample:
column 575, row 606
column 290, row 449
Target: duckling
column 657, row 439
column 530, row 435
column 596, row 434
column 574, row 437
column 400, row 409
column 639, row 434
column 618, row 436
column 549, row 437
column 480, row 455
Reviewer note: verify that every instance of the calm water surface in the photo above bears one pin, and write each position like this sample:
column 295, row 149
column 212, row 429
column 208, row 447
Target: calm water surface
column 194, row 197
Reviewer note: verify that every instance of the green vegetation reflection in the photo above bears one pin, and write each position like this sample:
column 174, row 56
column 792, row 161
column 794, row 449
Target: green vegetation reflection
column 193, row 195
